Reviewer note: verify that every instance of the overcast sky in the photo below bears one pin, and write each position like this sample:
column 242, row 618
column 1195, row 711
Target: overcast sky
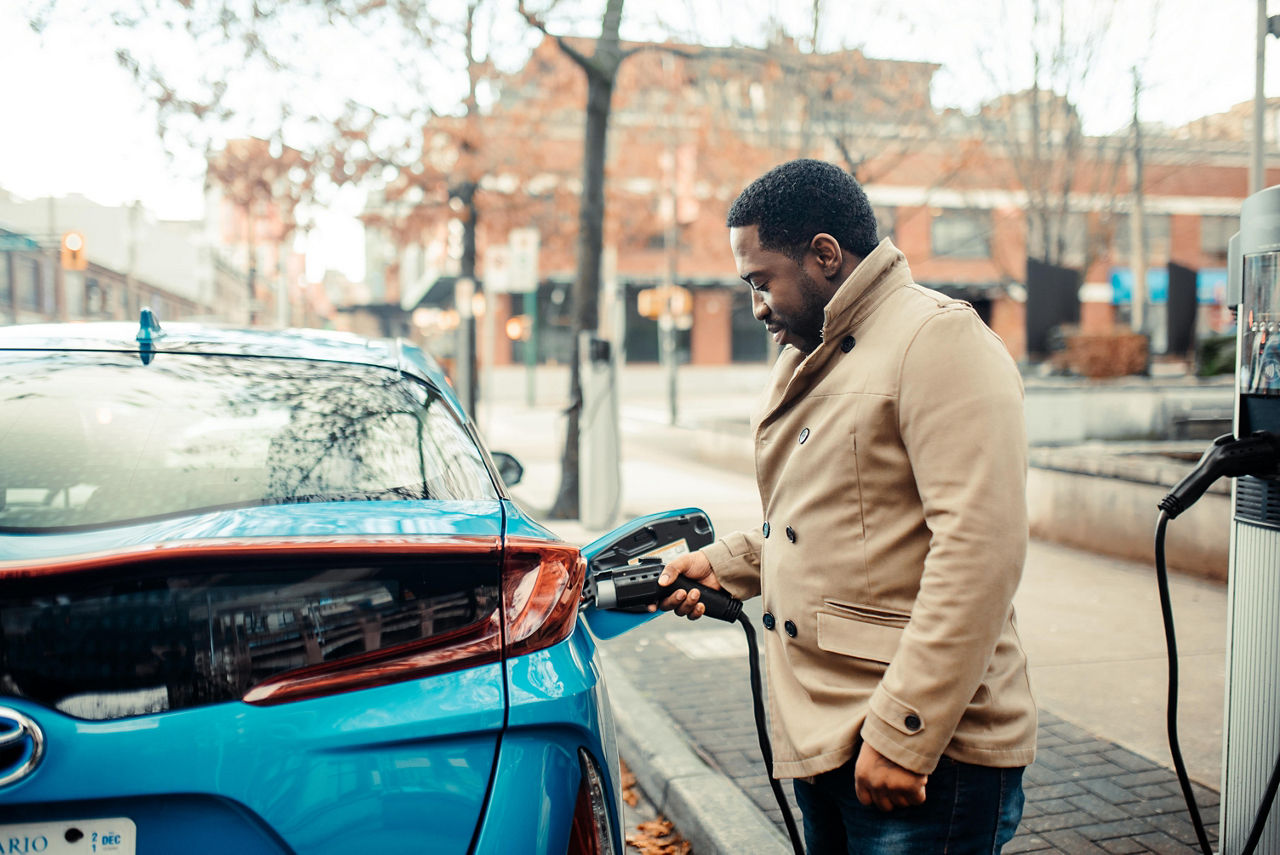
column 75, row 122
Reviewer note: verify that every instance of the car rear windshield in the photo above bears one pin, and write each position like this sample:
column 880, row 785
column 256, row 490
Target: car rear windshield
column 98, row 439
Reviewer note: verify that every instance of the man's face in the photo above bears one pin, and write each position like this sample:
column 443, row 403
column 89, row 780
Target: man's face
column 786, row 295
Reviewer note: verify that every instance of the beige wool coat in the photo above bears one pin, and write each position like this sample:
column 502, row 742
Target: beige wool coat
column 891, row 464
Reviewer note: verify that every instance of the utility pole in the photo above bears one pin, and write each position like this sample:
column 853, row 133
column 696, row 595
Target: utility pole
column 1257, row 163
column 1256, row 168
column 671, row 239
column 1137, row 224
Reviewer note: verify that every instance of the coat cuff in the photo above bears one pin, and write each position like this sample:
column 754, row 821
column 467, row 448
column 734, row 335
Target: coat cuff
column 735, row 559
column 900, row 732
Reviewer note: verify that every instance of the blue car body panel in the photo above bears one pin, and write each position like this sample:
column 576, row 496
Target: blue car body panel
column 558, row 705
column 520, row 524
column 400, row 768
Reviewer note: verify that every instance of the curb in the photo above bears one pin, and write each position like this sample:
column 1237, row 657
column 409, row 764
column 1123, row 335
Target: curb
column 706, row 807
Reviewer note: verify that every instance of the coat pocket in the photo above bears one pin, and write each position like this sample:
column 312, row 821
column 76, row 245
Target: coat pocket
column 870, row 614
column 860, row 639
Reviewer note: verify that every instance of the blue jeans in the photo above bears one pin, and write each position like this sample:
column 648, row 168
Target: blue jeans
column 967, row 810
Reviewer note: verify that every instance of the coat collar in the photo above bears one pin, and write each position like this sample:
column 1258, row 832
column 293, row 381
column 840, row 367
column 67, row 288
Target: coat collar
column 870, row 282
column 873, row 280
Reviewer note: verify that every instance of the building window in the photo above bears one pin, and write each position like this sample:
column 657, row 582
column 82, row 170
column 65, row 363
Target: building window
column 962, row 234
column 886, row 222
column 27, row 286
column 1156, row 227
column 1215, row 232
column 1067, row 241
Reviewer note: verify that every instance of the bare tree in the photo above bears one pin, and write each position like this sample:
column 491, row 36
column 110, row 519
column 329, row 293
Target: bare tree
column 601, row 70
column 262, row 67
column 1041, row 135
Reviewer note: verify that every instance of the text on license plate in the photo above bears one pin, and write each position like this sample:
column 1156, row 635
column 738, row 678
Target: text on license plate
column 112, row 836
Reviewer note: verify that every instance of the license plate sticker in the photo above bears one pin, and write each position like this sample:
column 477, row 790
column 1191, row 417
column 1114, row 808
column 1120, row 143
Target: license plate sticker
column 111, row 836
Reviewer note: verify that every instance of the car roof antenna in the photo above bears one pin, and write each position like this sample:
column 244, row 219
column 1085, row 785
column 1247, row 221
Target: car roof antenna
column 149, row 332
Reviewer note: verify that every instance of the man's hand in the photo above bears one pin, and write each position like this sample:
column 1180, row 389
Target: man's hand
column 693, row 566
column 879, row 781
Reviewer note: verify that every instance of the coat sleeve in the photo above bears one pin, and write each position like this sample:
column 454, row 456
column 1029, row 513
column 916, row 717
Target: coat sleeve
column 961, row 420
column 735, row 559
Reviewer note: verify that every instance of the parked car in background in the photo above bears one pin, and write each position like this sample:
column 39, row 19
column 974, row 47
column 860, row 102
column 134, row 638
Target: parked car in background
column 266, row 592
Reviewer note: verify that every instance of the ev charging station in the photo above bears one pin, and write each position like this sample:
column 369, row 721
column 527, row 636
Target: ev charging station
column 1251, row 738
column 599, row 442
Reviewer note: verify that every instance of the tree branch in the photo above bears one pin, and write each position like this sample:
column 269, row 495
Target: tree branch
column 586, row 62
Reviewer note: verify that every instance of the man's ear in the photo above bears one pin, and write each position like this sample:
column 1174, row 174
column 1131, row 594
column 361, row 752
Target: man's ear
column 826, row 249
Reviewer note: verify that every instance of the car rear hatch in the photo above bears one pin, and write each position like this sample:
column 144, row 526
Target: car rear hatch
column 318, row 695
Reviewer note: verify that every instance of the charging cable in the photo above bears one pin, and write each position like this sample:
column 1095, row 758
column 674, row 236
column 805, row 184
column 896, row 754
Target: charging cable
column 1256, row 454
column 634, row 587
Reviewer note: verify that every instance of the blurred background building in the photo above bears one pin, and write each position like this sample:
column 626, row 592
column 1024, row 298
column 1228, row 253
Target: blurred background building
column 982, row 204
column 968, row 198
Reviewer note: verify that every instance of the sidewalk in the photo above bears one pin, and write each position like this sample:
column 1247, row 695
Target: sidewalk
column 1091, row 626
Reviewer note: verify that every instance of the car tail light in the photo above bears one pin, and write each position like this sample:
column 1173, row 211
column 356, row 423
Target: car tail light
column 471, row 645
column 592, row 831
column 541, row 587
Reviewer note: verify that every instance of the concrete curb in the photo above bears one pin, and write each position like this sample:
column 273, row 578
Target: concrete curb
column 712, row 813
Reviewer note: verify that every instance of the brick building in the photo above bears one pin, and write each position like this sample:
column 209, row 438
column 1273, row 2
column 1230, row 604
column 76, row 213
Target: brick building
column 966, row 197
column 133, row 260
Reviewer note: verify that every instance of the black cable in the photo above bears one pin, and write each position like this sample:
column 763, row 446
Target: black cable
column 1171, row 643
column 1268, row 798
column 1166, row 611
column 757, row 702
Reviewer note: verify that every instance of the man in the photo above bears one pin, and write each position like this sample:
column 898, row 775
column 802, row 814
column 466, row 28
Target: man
column 891, row 462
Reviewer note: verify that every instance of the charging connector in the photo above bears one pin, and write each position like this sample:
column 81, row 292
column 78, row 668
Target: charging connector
column 634, row 587
column 1257, row 454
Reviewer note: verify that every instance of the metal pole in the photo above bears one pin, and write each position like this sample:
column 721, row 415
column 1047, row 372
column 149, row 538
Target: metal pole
column 667, row 337
column 464, row 359
column 1257, row 176
column 487, row 396
column 671, row 241
column 531, row 348
column 1137, row 224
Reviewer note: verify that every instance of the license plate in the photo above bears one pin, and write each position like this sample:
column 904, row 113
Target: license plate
column 112, row 836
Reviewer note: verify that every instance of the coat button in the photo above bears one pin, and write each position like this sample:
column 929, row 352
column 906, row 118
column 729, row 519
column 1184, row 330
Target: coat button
column 847, row 344
column 766, row 529
column 911, row 722
column 804, row 434
column 767, row 620
column 791, row 534
column 790, row 627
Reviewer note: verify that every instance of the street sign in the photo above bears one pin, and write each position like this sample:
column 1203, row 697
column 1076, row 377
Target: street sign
column 522, row 269
column 675, row 300
column 497, row 269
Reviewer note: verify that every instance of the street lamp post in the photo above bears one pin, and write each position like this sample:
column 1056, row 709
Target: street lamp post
column 1257, row 164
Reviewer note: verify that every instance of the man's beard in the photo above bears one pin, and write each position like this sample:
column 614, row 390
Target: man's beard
column 806, row 325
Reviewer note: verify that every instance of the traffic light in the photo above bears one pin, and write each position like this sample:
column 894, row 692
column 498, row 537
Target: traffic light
column 519, row 328
column 73, row 257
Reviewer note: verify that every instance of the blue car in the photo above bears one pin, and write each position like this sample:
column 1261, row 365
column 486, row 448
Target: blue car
column 266, row 592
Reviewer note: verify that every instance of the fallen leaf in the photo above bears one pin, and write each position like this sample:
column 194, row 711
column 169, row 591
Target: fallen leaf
column 658, row 837
column 629, row 794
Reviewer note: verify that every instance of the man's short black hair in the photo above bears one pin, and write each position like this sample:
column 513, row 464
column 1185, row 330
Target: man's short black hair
column 801, row 198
